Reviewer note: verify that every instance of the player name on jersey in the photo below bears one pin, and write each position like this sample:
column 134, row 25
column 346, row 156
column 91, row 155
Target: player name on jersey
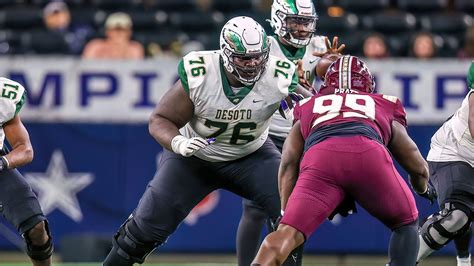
column 233, row 114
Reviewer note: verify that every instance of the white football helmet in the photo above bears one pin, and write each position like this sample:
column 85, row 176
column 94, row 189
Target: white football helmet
column 245, row 49
column 294, row 21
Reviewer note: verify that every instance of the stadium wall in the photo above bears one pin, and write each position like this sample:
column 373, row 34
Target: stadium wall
column 94, row 157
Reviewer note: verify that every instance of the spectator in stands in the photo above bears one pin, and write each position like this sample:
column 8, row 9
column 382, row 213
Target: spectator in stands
column 423, row 46
column 57, row 19
column 263, row 6
column 203, row 5
column 375, row 46
column 468, row 50
column 117, row 43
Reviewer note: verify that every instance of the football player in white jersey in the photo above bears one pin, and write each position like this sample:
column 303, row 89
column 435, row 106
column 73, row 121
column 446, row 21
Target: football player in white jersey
column 451, row 163
column 19, row 204
column 213, row 124
column 294, row 25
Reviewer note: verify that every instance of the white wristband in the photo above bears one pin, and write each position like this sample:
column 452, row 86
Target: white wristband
column 176, row 143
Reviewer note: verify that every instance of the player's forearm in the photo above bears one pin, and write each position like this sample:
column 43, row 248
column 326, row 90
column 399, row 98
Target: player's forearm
column 417, row 168
column 420, row 182
column 162, row 130
column 415, row 165
column 411, row 160
column 19, row 156
column 286, row 182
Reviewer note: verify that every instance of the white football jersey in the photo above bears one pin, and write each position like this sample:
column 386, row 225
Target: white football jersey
column 453, row 141
column 239, row 121
column 12, row 98
column 280, row 126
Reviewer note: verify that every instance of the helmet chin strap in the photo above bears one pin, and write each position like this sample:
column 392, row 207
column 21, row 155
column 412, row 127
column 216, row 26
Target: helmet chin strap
column 244, row 81
column 235, row 80
column 294, row 41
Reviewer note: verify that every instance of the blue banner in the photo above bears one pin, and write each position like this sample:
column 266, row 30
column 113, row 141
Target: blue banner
column 62, row 89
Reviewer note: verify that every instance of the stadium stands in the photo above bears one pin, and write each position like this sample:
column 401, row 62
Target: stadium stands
column 165, row 21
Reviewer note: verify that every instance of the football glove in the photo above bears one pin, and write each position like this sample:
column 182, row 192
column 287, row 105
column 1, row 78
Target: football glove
column 188, row 147
column 296, row 97
column 286, row 109
column 430, row 194
column 346, row 207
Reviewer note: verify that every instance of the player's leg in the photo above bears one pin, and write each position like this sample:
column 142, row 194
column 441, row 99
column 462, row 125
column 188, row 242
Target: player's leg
column 254, row 177
column 298, row 252
column 463, row 248
column 380, row 189
column 249, row 231
column 278, row 245
column 314, row 197
column 278, row 141
column 175, row 189
column 403, row 236
column 39, row 244
column 440, row 228
column 21, row 208
column 455, row 186
column 251, row 223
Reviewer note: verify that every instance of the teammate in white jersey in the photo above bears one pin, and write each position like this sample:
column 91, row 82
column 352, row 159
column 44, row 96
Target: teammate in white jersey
column 451, row 163
column 19, row 204
column 213, row 125
column 294, row 24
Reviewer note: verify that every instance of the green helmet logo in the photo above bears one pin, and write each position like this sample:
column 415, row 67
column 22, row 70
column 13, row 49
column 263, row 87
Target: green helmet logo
column 234, row 41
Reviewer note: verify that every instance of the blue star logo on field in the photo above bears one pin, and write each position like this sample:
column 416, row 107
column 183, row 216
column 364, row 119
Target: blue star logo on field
column 57, row 188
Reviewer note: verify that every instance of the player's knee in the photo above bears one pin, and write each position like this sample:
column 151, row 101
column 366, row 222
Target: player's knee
column 38, row 234
column 127, row 248
column 454, row 220
column 39, row 244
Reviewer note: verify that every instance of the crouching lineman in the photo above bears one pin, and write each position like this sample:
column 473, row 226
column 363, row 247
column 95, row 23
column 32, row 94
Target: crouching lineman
column 451, row 163
column 213, row 125
column 19, row 204
column 339, row 147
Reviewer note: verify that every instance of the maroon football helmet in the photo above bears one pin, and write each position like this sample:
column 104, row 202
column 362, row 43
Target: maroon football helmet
column 348, row 72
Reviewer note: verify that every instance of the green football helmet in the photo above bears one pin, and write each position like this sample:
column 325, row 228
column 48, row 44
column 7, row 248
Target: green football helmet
column 245, row 49
column 294, row 21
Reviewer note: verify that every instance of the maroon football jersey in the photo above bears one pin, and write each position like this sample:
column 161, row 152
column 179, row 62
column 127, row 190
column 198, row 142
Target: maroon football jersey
column 376, row 110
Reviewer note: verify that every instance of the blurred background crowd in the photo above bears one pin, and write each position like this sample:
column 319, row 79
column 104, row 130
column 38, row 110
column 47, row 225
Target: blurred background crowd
column 134, row 29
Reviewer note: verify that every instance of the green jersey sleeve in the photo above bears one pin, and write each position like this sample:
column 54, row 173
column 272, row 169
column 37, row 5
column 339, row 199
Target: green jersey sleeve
column 183, row 76
column 20, row 103
column 294, row 82
column 470, row 77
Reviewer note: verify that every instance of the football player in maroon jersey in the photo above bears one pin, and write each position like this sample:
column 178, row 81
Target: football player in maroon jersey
column 339, row 148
